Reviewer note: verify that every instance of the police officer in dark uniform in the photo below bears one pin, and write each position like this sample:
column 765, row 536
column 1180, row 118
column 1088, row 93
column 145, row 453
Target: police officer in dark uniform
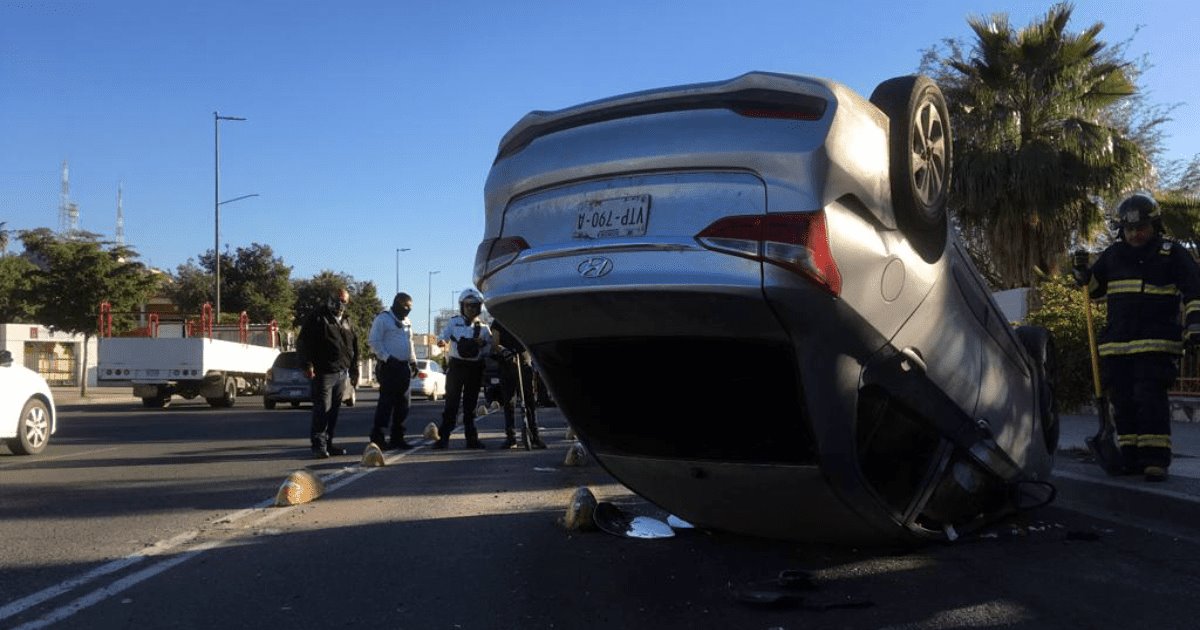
column 328, row 348
column 512, row 353
column 1143, row 275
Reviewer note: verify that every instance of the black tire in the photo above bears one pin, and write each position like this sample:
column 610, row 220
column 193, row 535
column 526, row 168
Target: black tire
column 228, row 399
column 295, row 404
column 156, row 402
column 33, row 429
column 268, row 403
column 919, row 159
column 1040, row 345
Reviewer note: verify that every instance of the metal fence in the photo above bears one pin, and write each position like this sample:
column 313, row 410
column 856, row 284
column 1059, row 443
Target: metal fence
column 1188, row 383
column 56, row 362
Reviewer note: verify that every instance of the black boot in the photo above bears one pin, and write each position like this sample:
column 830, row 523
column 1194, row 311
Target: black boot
column 377, row 439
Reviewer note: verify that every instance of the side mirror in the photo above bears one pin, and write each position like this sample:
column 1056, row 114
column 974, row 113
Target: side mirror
column 5, row 358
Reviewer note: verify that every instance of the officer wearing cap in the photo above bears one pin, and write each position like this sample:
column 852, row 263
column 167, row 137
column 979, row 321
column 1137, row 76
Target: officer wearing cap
column 1144, row 277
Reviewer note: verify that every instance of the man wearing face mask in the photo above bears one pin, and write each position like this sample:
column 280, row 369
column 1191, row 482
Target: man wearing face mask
column 328, row 348
column 469, row 339
column 1144, row 277
column 391, row 341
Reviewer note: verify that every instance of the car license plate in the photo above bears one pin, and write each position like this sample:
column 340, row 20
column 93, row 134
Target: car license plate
column 610, row 218
column 297, row 392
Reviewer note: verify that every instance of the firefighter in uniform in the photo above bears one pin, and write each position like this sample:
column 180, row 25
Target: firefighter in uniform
column 1143, row 275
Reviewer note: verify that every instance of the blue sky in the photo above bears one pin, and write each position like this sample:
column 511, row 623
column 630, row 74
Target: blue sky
column 371, row 125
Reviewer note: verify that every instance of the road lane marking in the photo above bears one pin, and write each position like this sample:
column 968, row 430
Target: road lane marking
column 46, row 459
column 354, row 473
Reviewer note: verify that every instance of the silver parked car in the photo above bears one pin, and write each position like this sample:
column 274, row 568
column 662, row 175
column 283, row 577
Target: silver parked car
column 831, row 365
column 286, row 382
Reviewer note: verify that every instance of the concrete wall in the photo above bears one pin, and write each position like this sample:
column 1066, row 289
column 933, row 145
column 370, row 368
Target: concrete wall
column 55, row 355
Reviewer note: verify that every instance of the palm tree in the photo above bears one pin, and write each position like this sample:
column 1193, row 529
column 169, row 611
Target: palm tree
column 1032, row 152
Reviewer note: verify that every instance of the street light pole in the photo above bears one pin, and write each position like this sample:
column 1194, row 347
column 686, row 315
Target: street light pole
column 429, row 305
column 398, row 250
column 217, row 118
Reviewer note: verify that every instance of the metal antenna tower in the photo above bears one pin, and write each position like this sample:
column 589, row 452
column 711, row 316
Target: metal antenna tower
column 120, row 235
column 64, row 200
column 68, row 211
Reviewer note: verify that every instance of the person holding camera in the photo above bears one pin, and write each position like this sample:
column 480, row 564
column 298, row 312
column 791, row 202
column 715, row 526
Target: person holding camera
column 1143, row 276
column 391, row 341
column 468, row 339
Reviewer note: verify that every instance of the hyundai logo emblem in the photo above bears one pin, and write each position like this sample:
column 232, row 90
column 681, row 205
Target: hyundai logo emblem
column 595, row 267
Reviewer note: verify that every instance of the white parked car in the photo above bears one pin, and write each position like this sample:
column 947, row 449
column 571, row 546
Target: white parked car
column 27, row 415
column 429, row 381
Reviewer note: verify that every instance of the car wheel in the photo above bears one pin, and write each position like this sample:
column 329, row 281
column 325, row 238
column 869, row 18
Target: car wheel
column 156, row 402
column 919, row 159
column 268, row 403
column 1040, row 345
column 295, row 404
column 33, row 429
column 228, row 399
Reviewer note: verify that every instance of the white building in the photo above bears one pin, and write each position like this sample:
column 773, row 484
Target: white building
column 54, row 355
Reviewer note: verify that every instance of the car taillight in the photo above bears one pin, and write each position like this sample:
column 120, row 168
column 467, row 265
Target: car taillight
column 494, row 254
column 271, row 375
column 421, row 375
column 797, row 241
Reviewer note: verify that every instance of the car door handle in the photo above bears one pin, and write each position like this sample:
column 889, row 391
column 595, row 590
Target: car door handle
column 912, row 360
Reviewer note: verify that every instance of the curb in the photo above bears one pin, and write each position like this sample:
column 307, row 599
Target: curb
column 1172, row 506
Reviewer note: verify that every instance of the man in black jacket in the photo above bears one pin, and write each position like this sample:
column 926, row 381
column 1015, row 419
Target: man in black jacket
column 328, row 347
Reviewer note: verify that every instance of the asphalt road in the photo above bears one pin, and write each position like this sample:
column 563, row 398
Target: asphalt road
column 141, row 518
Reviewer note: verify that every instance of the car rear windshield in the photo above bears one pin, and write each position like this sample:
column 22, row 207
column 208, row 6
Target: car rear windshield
column 288, row 360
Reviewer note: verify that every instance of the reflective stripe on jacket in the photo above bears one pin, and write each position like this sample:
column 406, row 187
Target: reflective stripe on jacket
column 1143, row 287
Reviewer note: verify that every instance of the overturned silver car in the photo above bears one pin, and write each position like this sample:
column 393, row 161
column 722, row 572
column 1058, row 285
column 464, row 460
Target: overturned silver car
column 831, row 367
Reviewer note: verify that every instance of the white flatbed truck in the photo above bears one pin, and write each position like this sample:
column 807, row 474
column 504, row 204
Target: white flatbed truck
column 159, row 367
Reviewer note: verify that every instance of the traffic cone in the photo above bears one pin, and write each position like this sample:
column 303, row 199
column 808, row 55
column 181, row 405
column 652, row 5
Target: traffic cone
column 580, row 511
column 372, row 456
column 576, row 455
column 300, row 487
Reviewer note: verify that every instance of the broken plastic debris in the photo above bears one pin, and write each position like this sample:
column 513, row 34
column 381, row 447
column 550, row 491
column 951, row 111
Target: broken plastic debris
column 613, row 520
column 677, row 523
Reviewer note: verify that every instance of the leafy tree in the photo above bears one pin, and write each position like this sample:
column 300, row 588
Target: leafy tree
column 364, row 301
column 1035, row 148
column 74, row 275
column 252, row 280
column 190, row 287
column 1061, row 311
column 258, row 283
column 16, row 285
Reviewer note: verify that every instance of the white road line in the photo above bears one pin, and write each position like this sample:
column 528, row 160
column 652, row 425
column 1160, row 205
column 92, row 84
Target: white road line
column 47, row 459
column 158, row 548
column 101, row 594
